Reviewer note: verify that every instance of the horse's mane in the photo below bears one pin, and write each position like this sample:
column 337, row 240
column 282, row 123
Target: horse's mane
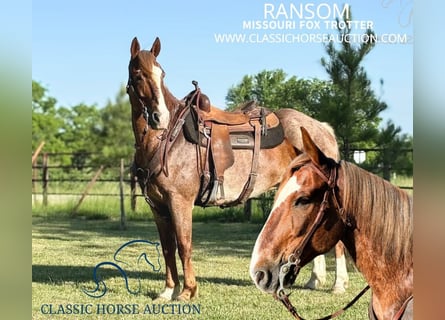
column 382, row 211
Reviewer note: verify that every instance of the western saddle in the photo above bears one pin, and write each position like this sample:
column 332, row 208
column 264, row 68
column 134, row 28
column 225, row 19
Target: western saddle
column 219, row 132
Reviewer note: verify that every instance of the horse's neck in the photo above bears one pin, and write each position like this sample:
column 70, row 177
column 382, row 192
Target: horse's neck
column 171, row 101
column 390, row 286
column 375, row 265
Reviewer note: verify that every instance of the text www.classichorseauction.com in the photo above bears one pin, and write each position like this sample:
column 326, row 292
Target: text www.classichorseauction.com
column 307, row 23
column 132, row 256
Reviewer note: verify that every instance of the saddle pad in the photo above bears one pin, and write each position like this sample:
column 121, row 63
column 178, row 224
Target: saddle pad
column 239, row 140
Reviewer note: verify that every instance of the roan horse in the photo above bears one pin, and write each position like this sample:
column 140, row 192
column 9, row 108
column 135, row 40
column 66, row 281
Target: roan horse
column 170, row 173
column 320, row 202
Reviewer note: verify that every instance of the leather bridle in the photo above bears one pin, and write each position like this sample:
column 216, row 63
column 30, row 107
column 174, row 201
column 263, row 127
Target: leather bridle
column 294, row 259
column 145, row 113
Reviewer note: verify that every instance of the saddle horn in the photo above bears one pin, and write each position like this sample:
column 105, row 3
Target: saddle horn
column 200, row 99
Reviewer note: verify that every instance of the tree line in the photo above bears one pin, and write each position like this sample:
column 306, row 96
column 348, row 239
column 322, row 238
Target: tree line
column 346, row 101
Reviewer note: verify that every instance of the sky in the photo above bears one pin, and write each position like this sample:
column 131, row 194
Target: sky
column 81, row 49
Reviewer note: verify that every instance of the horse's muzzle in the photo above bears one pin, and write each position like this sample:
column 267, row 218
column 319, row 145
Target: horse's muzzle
column 266, row 279
column 158, row 121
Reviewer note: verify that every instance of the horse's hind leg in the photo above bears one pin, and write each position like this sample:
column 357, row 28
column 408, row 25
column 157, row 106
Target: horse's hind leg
column 168, row 242
column 341, row 273
column 182, row 219
column 318, row 275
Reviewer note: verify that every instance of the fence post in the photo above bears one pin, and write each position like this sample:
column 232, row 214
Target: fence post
column 123, row 225
column 133, row 182
column 45, row 176
column 37, row 152
column 248, row 210
column 87, row 189
column 34, row 178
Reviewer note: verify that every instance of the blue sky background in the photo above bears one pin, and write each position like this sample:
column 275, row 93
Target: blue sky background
column 80, row 49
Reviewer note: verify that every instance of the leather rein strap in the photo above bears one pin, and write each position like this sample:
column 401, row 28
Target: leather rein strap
column 294, row 258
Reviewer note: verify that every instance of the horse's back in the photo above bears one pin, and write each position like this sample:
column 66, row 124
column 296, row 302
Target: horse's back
column 321, row 132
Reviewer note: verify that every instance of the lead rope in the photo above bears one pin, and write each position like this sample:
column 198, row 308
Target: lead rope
column 284, row 298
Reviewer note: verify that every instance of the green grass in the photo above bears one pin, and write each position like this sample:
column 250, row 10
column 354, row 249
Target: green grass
column 65, row 251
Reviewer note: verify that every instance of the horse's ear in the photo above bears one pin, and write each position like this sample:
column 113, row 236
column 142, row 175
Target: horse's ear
column 156, row 47
column 311, row 149
column 135, row 47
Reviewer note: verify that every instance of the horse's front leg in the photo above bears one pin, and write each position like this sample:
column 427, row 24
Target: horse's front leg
column 181, row 209
column 167, row 236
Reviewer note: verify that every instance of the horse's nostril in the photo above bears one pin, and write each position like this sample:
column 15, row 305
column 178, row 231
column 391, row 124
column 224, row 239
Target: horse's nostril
column 156, row 117
column 259, row 276
column 262, row 278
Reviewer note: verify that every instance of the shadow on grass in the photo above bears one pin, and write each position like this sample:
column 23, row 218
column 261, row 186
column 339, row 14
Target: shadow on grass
column 222, row 239
column 60, row 274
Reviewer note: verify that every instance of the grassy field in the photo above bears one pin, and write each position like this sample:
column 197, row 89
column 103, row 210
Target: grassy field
column 66, row 250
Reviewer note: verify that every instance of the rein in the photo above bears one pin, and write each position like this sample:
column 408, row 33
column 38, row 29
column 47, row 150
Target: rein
column 294, row 260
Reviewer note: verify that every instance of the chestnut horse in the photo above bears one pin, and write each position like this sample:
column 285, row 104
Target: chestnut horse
column 320, row 202
column 172, row 196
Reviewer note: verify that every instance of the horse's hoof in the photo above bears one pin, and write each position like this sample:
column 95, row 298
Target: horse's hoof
column 315, row 282
column 338, row 290
column 183, row 298
column 168, row 294
column 188, row 294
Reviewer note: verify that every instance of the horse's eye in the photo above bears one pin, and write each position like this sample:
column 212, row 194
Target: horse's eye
column 302, row 201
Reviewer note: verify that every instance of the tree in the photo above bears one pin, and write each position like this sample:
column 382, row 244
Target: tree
column 395, row 155
column 275, row 90
column 115, row 133
column 79, row 127
column 352, row 108
column 46, row 123
column 265, row 88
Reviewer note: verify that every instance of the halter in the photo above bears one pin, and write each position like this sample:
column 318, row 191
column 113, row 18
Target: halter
column 294, row 258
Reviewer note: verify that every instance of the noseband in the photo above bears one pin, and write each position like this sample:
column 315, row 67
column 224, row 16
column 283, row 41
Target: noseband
column 294, row 258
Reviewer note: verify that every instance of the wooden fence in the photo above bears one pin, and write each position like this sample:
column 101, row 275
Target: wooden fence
column 80, row 168
column 49, row 169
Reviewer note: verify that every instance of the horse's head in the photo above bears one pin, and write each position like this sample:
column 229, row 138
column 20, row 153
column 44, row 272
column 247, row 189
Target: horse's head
column 146, row 85
column 303, row 222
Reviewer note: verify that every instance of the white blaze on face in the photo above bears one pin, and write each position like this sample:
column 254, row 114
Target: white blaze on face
column 164, row 115
column 290, row 187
